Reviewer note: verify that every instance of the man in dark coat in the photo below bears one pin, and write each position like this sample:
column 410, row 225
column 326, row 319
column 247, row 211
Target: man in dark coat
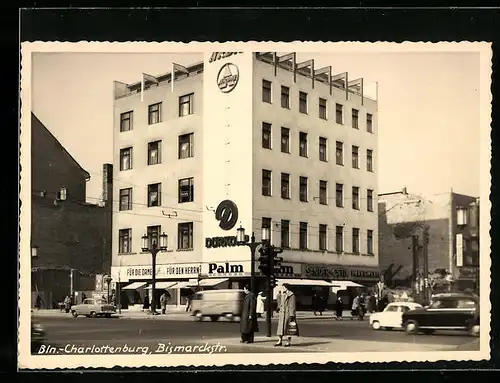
column 248, row 321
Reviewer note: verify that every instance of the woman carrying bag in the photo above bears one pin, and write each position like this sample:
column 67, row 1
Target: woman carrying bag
column 287, row 324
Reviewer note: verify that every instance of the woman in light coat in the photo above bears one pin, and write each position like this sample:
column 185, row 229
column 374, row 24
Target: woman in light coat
column 260, row 305
column 287, row 314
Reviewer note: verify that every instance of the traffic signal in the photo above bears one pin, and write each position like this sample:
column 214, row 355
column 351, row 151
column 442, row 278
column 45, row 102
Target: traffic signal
column 272, row 281
column 264, row 260
column 276, row 261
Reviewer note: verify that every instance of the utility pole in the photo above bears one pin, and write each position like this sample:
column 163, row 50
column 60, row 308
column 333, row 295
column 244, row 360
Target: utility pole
column 426, row 263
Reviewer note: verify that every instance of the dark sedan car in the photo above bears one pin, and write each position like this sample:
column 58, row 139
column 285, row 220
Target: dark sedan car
column 450, row 311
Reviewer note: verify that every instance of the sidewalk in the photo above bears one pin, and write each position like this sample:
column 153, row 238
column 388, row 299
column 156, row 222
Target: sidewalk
column 179, row 314
column 314, row 344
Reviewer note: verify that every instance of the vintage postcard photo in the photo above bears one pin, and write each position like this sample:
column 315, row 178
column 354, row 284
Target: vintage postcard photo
column 212, row 204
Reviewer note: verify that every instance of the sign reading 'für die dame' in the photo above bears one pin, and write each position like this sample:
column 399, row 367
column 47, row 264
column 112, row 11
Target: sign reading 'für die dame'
column 163, row 271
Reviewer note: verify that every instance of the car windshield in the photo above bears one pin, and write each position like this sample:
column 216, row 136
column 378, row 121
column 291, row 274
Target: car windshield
column 391, row 308
column 444, row 304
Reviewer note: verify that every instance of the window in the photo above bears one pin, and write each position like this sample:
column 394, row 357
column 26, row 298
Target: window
column 369, row 160
column 154, row 113
column 369, row 123
column 266, row 182
column 323, row 149
column 266, row 135
column 266, row 91
column 126, row 120
column 369, row 200
column 126, row 159
column 303, row 236
column 322, row 237
column 339, row 118
column 369, row 242
column 186, row 142
column 322, row 108
column 392, row 308
column 186, row 105
column 339, row 153
column 285, row 233
column 323, row 192
column 303, row 102
column 303, row 189
column 355, row 157
column 154, row 153
column 285, row 140
column 126, row 199
column 466, row 304
column 339, row 195
column 339, row 239
column 285, row 185
column 355, row 198
column 355, row 240
column 125, row 241
column 185, row 235
column 186, row 190
column 154, row 195
column 153, row 233
column 285, row 97
column 302, row 144
column 355, row 119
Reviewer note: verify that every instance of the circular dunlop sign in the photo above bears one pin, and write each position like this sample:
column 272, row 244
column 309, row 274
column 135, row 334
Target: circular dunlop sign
column 228, row 77
column 227, row 214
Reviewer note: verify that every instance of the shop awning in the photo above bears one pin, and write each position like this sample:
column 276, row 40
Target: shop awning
column 184, row 285
column 304, row 282
column 134, row 285
column 162, row 285
column 212, row 282
column 344, row 284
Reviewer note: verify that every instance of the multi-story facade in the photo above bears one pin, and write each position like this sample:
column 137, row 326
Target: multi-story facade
column 70, row 239
column 453, row 227
column 292, row 147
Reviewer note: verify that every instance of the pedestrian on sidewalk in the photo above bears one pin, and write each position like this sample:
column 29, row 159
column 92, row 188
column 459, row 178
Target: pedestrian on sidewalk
column 287, row 323
column 248, row 319
column 163, row 302
column 145, row 306
column 38, row 302
column 339, row 307
column 189, row 299
column 67, row 303
column 260, row 305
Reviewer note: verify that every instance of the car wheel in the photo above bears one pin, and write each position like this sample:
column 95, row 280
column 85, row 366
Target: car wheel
column 376, row 325
column 411, row 327
column 108, row 315
column 229, row 317
column 198, row 316
column 93, row 314
column 474, row 330
column 75, row 314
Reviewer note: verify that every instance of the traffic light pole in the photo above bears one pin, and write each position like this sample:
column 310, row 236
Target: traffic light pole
column 269, row 302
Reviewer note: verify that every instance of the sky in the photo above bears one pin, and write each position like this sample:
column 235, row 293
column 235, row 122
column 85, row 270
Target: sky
column 428, row 129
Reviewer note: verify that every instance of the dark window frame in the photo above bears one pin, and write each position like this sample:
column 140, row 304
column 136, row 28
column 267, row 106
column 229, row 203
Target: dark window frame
column 190, row 189
column 267, row 176
column 339, row 239
column 323, row 192
column 154, row 110
column 323, row 237
column 285, row 136
column 187, row 99
column 303, row 189
column 323, row 109
column 303, row 102
column 285, row 185
column 267, row 95
column 355, row 240
column 150, row 151
column 124, row 240
column 125, row 205
column 339, row 114
column 151, row 190
column 285, row 233
column 127, row 117
column 126, row 152
column 190, row 143
column 355, row 198
column 303, row 144
column 182, row 229
column 339, row 149
column 323, row 144
column 285, row 97
column 303, row 228
column 267, row 129
column 339, row 188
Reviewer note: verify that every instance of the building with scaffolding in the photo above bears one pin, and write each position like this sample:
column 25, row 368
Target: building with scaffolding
column 252, row 140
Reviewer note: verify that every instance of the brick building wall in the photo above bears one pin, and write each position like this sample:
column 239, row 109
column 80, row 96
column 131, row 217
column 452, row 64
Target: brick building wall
column 69, row 234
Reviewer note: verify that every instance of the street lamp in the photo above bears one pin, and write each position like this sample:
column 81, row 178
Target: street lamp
column 242, row 239
column 154, row 249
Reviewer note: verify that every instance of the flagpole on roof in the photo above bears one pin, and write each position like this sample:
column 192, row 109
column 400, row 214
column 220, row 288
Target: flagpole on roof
column 142, row 88
column 172, row 78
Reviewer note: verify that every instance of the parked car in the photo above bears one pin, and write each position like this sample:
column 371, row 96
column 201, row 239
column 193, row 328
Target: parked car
column 447, row 311
column 93, row 308
column 217, row 303
column 392, row 315
column 37, row 335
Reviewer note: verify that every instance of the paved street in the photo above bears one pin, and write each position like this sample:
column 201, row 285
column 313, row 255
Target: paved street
column 67, row 334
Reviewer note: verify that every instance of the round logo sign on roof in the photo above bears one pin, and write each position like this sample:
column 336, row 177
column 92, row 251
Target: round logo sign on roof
column 228, row 77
